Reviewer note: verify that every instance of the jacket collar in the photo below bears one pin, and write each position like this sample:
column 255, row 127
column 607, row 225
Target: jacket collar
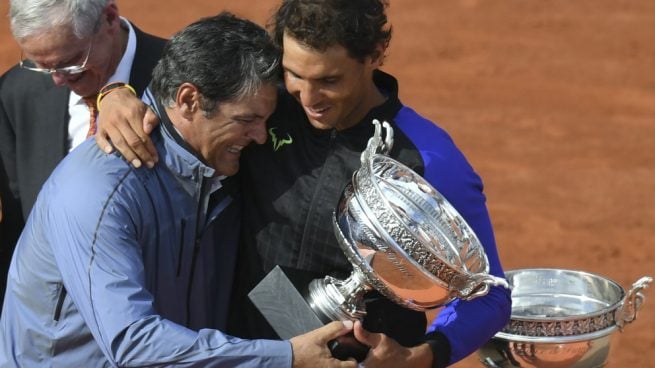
column 176, row 152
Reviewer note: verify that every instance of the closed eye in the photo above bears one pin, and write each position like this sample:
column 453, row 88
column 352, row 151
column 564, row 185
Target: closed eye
column 323, row 80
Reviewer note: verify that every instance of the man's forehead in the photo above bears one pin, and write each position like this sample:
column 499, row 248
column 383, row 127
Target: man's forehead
column 289, row 38
column 312, row 63
column 58, row 40
column 255, row 104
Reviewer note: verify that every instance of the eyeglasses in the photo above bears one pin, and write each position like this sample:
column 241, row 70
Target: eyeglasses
column 67, row 70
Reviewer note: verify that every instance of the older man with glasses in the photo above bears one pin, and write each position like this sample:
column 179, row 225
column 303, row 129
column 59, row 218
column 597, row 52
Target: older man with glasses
column 70, row 49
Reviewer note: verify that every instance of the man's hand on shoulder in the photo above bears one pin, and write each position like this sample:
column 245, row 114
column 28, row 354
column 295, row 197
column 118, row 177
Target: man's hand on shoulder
column 124, row 123
column 386, row 352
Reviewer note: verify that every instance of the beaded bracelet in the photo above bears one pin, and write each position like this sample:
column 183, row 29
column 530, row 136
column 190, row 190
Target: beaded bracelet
column 104, row 91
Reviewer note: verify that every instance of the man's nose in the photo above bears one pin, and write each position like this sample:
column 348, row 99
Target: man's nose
column 258, row 132
column 309, row 94
column 59, row 79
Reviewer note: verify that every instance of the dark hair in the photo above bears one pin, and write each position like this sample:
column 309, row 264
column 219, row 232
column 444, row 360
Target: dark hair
column 224, row 56
column 357, row 25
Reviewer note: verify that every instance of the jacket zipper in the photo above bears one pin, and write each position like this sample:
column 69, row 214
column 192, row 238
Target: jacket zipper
column 304, row 248
column 196, row 244
column 180, row 254
column 60, row 303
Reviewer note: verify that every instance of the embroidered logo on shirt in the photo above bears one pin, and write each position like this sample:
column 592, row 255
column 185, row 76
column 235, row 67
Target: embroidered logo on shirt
column 277, row 142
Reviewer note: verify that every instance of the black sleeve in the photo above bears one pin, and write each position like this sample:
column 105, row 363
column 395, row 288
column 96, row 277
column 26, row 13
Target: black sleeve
column 440, row 349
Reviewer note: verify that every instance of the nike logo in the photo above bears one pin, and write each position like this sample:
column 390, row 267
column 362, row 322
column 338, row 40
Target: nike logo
column 277, row 142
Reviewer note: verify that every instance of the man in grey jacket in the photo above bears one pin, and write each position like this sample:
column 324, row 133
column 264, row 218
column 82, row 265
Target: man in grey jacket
column 110, row 269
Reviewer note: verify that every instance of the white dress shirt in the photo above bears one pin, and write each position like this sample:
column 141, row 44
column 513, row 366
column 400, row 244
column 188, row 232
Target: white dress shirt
column 78, row 125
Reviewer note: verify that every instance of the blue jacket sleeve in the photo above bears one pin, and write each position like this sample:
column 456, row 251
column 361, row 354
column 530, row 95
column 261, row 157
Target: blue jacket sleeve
column 467, row 325
column 96, row 249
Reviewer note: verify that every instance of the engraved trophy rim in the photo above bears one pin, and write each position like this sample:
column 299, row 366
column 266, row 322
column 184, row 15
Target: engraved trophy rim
column 445, row 213
column 562, row 318
column 609, row 306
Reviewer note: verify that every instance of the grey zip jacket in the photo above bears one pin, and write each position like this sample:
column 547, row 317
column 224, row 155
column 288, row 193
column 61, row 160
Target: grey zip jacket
column 124, row 267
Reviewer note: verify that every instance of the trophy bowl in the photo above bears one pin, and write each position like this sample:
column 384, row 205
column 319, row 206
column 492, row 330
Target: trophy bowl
column 403, row 239
column 562, row 318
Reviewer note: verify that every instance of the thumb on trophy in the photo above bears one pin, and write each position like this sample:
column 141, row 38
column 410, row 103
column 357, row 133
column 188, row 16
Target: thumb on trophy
column 335, row 329
column 367, row 338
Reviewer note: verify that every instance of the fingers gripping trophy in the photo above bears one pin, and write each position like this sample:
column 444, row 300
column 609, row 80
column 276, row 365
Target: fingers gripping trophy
column 402, row 238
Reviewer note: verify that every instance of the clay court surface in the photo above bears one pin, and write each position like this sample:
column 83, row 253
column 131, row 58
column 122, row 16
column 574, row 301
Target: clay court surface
column 552, row 101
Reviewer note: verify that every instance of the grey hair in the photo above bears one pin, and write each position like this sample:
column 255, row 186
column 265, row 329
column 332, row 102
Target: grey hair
column 33, row 17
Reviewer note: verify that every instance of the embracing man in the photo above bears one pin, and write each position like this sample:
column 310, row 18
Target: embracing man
column 111, row 267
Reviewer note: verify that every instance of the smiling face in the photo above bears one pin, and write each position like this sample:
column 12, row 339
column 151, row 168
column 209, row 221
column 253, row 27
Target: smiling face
column 59, row 47
column 334, row 89
column 220, row 137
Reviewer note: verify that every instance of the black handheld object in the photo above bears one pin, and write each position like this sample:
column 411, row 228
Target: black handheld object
column 346, row 346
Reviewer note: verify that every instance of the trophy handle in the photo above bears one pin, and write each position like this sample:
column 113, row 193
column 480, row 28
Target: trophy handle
column 478, row 285
column 375, row 144
column 633, row 300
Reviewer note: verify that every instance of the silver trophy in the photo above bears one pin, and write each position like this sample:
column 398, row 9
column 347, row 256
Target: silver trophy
column 403, row 239
column 562, row 318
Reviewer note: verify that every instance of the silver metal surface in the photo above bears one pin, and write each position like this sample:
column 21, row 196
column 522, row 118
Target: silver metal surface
column 562, row 318
column 403, row 238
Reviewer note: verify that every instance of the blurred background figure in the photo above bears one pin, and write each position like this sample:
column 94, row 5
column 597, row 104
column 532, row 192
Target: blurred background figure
column 69, row 49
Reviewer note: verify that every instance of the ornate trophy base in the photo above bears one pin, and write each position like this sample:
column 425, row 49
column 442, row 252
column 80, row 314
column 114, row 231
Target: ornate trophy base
column 281, row 298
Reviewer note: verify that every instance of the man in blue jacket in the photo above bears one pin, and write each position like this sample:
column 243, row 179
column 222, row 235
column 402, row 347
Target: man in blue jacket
column 111, row 267
column 332, row 54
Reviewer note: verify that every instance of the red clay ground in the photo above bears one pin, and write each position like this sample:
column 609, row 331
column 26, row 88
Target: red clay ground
column 554, row 104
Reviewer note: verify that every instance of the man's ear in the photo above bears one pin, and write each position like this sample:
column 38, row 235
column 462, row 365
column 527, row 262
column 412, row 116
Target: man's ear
column 187, row 100
column 377, row 57
column 111, row 15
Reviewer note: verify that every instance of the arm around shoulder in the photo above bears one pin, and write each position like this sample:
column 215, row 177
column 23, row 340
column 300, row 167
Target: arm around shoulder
column 125, row 123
